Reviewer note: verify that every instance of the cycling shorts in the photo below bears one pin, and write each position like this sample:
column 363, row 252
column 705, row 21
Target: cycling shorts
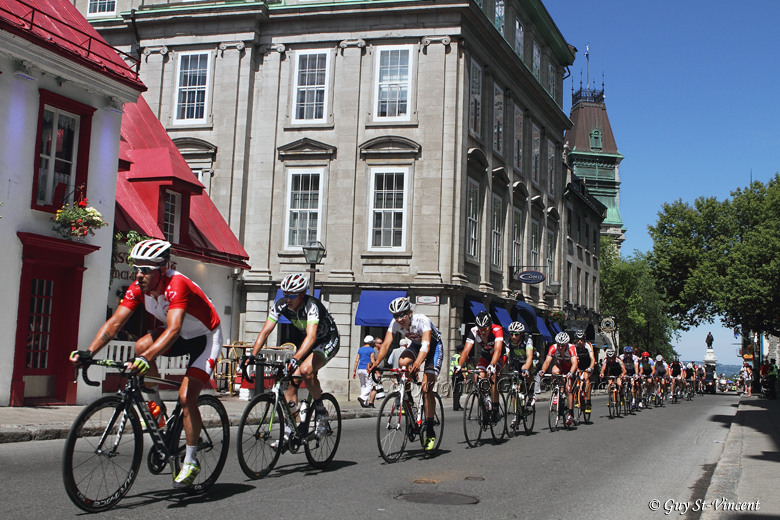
column 327, row 348
column 432, row 361
column 203, row 351
column 483, row 363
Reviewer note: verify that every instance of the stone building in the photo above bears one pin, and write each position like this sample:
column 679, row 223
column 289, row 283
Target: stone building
column 419, row 141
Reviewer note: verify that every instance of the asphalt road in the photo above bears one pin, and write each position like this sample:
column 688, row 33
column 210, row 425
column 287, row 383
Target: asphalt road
column 607, row 469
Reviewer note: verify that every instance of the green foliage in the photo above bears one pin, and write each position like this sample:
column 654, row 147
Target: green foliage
column 130, row 239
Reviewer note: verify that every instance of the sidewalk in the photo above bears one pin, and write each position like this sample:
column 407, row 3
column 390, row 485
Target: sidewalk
column 746, row 475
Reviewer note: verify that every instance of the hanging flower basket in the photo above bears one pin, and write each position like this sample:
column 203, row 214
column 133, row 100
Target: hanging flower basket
column 77, row 220
column 558, row 317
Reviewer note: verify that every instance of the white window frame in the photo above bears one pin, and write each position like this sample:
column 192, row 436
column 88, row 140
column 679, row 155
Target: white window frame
column 497, row 232
column 290, row 208
column 46, row 179
column 536, row 238
column 101, row 8
column 499, row 16
column 498, row 119
column 472, row 219
column 517, row 151
column 551, row 80
column 536, row 151
column 550, row 256
column 537, row 62
column 517, row 237
column 475, row 99
column 409, row 82
column 207, row 88
column 323, row 87
column 404, row 211
column 551, row 166
column 171, row 230
column 519, row 36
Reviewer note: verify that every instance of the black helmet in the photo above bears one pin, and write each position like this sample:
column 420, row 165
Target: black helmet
column 483, row 320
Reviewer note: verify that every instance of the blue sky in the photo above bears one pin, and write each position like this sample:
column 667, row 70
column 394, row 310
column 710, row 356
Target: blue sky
column 691, row 89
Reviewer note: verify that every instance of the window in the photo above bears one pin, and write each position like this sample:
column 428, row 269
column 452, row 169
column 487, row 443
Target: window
column 472, row 219
column 519, row 35
column 57, row 158
column 579, row 229
column 595, row 140
column 550, row 255
column 42, row 323
column 587, row 235
column 204, row 176
column 172, row 216
column 498, row 119
column 192, row 88
column 595, row 239
column 535, row 244
column 498, row 19
column 551, row 80
column 517, row 158
column 535, row 154
column 497, row 235
column 551, row 166
column 568, row 222
column 568, row 281
column 475, row 103
column 517, row 238
column 101, row 7
column 595, row 294
column 388, row 208
column 537, row 62
column 393, row 85
column 579, row 285
column 587, row 290
column 311, row 85
column 303, row 207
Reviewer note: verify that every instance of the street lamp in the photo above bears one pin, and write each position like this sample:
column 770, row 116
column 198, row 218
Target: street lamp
column 313, row 252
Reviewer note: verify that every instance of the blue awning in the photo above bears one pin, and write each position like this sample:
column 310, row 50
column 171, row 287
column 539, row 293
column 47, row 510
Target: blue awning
column 280, row 294
column 475, row 306
column 543, row 330
column 373, row 306
column 526, row 312
column 502, row 315
column 555, row 327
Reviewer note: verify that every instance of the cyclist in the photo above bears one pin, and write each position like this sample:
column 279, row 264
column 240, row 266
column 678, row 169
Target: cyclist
column 192, row 326
column 521, row 352
column 613, row 366
column 660, row 372
column 646, row 366
column 320, row 345
column 492, row 358
column 677, row 372
column 563, row 355
column 690, row 377
column 586, row 361
column 425, row 347
column 700, row 375
column 631, row 363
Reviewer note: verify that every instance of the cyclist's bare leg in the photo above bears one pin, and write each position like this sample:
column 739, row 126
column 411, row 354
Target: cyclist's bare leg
column 308, row 371
column 430, row 401
column 188, row 396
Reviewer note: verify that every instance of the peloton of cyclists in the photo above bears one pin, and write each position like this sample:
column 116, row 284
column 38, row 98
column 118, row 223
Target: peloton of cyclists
column 563, row 356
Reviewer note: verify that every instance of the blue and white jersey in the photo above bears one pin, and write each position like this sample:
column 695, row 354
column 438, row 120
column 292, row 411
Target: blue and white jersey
column 417, row 326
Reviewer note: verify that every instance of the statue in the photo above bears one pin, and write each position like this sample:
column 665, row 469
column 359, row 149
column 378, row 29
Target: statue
column 709, row 340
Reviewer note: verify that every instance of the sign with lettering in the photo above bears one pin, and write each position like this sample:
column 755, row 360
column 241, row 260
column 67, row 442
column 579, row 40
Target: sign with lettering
column 530, row 277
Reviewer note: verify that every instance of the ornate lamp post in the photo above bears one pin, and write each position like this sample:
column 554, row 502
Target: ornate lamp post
column 313, row 251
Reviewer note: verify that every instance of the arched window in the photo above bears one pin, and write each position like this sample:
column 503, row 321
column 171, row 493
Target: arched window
column 595, row 139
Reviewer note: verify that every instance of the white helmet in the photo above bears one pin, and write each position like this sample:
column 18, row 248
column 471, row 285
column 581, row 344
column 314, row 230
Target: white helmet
column 516, row 327
column 659, row 357
column 295, row 283
column 610, row 352
column 152, row 250
column 689, row 365
column 562, row 338
column 579, row 334
column 400, row 305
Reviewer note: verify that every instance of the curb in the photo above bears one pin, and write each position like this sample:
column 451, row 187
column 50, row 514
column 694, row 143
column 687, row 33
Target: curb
column 728, row 471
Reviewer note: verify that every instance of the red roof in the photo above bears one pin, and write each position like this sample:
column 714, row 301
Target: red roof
column 154, row 157
column 60, row 27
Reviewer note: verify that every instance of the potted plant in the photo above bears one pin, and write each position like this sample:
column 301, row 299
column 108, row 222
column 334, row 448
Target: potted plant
column 558, row 316
column 77, row 220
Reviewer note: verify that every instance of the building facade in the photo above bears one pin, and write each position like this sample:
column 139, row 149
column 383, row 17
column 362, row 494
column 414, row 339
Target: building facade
column 419, row 141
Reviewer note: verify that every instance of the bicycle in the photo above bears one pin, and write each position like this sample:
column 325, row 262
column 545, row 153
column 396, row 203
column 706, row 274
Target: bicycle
column 518, row 406
column 557, row 402
column 400, row 421
column 579, row 393
column 478, row 412
column 613, row 404
column 104, row 446
column 261, row 431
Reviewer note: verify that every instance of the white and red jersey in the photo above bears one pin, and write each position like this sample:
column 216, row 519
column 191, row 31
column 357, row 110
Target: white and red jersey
column 562, row 355
column 487, row 343
column 180, row 293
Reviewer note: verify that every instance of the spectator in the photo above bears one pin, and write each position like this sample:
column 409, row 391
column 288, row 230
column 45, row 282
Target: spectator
column 396, row 354
column 457, row 379
column 772, row 379
column 365, row 355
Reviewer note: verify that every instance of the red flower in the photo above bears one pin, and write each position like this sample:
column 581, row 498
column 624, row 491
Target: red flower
column 79, row 221
column 83, row 203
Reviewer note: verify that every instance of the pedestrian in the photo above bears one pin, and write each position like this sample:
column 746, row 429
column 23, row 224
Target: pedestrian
column 747, row 374
column 772, row 379
column 377, row 391
column 395, row 355
column 365, row 355
column 457, row 379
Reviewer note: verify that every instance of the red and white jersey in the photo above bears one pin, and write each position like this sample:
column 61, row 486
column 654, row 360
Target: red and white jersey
column 562, row 356
column 180, row 293
column 487, row 343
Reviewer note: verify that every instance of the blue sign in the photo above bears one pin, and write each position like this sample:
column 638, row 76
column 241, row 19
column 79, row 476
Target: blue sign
column 530, row 277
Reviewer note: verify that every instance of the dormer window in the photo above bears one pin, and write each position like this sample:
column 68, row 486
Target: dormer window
column 172, row 216
column 595, row 140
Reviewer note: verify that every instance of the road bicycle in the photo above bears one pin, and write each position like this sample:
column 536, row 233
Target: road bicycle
column 660, row 392
column 478, row 411
column 400, row 420
column 689, row 391
column 268, row 426
column 104, row 446
column 613, row 403
column 580, row 396
column 558, row 407
column 626, row 396
column 519, row 405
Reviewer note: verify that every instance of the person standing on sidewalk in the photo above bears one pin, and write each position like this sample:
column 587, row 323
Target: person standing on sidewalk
column 747, row 375
column 772, row 377
column 365, row 355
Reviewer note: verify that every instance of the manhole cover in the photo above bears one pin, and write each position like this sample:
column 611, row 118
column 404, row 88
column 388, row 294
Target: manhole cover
column 474, row 478
column 424, row 481
column 445, row 499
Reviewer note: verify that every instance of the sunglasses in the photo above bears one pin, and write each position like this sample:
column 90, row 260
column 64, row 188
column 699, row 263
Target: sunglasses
column 399, row 315
column 483, row 329
column 292, row 296
column 145, row 269
column 515, row 333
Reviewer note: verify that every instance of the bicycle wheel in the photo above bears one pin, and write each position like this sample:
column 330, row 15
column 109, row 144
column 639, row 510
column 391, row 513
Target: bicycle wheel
column 260, row 434
column 438, row 424
column 513, row 415
column 612, row 404
column 472, row 419
column 102, row 454
column 554, row 417
column 213, row 443
column 529, row 418
column 498, row 428
column 391, row 428
column 323, row 440
column 586, row 408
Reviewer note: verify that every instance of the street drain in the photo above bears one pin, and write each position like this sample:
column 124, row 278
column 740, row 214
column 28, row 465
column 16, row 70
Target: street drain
column 443, row 499
column 424, row 481
column 474, row 478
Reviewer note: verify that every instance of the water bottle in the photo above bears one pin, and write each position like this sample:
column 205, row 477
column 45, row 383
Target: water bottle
column 156, row 412
column 294, row 411
column 302, row 409
column 488, row 403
